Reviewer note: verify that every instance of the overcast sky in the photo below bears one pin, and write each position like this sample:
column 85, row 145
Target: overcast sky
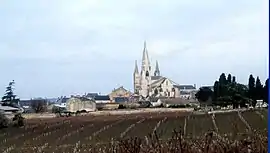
column 62, row 47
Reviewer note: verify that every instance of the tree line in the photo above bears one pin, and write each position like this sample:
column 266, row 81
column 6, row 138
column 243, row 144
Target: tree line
column 227, row 91
column 10, row 99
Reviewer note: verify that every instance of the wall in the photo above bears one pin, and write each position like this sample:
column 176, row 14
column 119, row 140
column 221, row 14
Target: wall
column 107, row 106
column 167, row 89
column 75, row 104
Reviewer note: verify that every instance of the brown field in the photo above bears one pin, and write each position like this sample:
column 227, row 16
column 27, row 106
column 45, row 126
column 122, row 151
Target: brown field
column 80, row 134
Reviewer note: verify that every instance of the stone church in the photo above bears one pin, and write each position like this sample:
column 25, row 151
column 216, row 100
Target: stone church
column 150, row 83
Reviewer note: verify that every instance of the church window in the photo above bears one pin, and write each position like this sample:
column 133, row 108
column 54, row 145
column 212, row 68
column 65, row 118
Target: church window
column 147, row 73
column 160, row 90
column 167, row 82
column 169, row 94
column 173, row 90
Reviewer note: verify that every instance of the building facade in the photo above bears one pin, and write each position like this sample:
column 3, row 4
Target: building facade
column 150, row 83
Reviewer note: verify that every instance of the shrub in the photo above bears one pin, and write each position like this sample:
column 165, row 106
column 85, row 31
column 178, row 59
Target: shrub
column 18, row 120
column 4, row 121
column 121, row 106
column 39, row 105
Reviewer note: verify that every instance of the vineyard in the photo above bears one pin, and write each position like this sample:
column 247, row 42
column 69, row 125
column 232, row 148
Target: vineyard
column 168, row 132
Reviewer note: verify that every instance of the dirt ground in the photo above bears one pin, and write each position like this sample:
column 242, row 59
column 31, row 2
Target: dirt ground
column 115, row 112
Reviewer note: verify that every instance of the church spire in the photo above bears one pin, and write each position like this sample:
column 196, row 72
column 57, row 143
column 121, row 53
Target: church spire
column 145, row 58
column 157, row 72
column 136, row 71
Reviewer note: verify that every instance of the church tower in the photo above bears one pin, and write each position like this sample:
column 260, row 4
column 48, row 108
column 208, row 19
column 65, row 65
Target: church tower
column 145, row 78
column 136, row 79
column 157, row 72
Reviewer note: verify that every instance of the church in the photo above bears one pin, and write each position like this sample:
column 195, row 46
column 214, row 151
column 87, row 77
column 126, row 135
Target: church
column 150, row 83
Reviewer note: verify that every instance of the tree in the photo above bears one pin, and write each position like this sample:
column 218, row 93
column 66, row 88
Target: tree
column 251, row 87
column 39, row 105
column 222, row 85
column 229, row 78
column 204, row 94
column 10, row 98
column 258, row 89
column 266, row 91
column 237, row 93
column 233, row 79
column 216, row 90
column 222, row 79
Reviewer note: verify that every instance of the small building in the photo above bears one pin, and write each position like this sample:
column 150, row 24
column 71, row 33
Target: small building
column 120, row 92
column 75, row 104
column 9, row 111
column 102, row 99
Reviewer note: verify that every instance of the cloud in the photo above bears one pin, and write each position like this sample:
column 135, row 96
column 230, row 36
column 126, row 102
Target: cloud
column 63, row 47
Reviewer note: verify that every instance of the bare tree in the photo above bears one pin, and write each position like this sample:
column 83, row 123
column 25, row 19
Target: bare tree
column 39, row 105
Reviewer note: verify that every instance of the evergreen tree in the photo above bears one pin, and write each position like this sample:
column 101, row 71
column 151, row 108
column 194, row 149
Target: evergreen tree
column 251, row 87
column 222, row 79
column 222, row 85
column 229, row 78
column 10, row 98
column 216, row 91
column 258, row 89
column 233, row 79
column 266, row 91
column 251, row 82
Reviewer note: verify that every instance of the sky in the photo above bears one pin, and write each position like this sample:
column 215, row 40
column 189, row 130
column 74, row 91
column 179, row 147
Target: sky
column 63, row 47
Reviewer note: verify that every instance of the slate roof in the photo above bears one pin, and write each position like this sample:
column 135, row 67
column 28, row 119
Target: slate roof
column 82, row 98
column 8, row 108
column 120, row 88
column 102, row 97
column 25, row 103
column 63, row 100
column 185, row 87
column 156, row 77
column 91, row 95
column 121, row 99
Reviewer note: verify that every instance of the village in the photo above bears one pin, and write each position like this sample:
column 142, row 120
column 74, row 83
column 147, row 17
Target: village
column 151, row 89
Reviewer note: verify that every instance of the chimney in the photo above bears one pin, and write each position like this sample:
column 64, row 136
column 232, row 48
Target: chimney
column 195, row 86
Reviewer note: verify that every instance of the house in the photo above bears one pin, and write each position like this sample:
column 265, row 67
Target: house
column 119, row 92
column 102, row 99
column 9, row 111
column 187, row 91
column 75, row 104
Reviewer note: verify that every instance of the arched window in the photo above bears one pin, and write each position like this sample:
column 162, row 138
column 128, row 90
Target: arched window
column 173, row 89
